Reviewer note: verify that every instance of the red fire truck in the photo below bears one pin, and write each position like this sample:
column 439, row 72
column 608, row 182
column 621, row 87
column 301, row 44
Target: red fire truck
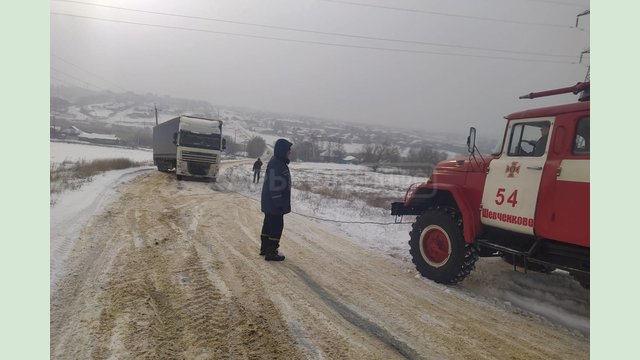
column 528, row 203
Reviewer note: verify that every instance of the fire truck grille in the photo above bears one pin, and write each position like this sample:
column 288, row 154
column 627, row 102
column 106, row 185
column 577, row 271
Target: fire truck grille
column 192, row 156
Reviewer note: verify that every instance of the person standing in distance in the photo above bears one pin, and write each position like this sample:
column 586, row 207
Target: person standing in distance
column 275, row 200
column 256, row 170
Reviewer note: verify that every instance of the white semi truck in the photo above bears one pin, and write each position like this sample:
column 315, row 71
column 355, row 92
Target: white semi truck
column 190, row 145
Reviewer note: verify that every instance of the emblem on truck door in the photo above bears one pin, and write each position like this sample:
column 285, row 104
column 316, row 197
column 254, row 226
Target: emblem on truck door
column 513, row 169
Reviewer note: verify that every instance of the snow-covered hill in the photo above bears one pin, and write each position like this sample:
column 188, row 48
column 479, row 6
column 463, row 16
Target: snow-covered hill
column 138, row 112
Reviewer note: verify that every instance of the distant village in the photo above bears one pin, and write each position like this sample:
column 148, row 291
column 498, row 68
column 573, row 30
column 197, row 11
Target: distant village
column 127, row 119
column 73, row 133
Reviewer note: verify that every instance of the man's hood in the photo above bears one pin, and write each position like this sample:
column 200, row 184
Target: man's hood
column 281, row 148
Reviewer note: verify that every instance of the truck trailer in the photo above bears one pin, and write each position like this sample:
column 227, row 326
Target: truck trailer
column 189, row 145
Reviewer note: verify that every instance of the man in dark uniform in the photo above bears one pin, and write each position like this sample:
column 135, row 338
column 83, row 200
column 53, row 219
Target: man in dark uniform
column 256, row 170
column 541, row 145
column 275, row 200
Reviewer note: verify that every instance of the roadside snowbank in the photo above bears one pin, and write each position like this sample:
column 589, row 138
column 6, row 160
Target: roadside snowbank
column 73, row 209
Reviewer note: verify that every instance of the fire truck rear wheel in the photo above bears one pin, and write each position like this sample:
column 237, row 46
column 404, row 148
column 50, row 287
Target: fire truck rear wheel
column 438, row 249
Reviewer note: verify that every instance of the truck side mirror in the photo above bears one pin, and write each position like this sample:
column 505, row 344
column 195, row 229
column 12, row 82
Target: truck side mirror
column 224, row 144
column 175, row 138
column 471, row 140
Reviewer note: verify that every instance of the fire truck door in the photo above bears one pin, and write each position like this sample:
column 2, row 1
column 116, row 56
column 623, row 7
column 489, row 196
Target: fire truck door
column 568, row 219
column 513, row 182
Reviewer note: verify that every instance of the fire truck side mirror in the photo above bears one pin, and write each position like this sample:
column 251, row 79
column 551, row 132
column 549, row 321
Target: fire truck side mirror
column 224, row 144
column 471, row 140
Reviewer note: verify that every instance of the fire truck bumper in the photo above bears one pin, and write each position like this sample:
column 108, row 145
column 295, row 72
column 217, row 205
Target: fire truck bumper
column 399, row 209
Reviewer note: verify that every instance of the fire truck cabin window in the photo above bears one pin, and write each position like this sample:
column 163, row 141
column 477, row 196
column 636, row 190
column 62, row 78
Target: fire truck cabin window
column 582, row 141
column 528, row 139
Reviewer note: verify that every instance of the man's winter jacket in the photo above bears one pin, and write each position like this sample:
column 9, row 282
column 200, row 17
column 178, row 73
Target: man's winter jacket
column 276, row 188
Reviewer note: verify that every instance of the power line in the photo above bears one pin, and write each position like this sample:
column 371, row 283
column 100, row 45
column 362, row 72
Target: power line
column 87, row 71
column 75, row 78
column 313, row 42
column 480, row 18
column 316, row 31
column 557, row 3
column 60, row 80
column 82, row 82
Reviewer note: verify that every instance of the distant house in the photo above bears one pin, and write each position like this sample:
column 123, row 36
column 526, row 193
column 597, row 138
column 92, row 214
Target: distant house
column 324, row 156
column 73, row 132
column 54, row 131
column 70, row 132
column 349, row 160
column 99, row 138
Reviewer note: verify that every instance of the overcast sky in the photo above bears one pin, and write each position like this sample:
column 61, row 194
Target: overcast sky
column 424, row 86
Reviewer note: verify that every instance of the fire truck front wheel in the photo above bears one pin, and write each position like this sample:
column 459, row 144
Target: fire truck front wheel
column 438, row 248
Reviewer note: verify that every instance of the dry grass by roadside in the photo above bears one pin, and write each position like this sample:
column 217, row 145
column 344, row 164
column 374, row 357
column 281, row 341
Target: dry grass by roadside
column 72, row 175
column 236, row 178
column 339, row 192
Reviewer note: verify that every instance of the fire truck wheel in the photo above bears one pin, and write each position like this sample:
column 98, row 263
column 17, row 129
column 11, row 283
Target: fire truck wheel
column 438, row 248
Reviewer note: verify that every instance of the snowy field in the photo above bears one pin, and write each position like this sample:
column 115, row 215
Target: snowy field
column 61, row 151
column 555, row 298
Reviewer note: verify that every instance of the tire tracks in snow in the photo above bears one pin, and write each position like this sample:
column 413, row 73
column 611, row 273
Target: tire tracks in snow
column 156, row 299
column 356, row 319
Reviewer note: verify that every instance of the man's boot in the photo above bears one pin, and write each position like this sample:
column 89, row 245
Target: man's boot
column 272, row 251
column 263, row 245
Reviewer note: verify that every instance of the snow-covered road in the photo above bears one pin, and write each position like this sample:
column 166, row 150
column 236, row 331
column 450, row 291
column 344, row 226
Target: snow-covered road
column 171, row 270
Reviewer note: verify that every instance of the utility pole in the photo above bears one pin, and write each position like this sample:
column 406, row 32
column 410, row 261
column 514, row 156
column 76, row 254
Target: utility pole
column 156, row 111
column 588, row 50
column 586, row 12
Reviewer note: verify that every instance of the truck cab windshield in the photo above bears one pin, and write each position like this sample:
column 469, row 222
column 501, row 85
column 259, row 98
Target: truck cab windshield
column 204, row 141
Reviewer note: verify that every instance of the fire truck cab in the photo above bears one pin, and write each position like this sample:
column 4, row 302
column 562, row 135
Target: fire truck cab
column 529, row 203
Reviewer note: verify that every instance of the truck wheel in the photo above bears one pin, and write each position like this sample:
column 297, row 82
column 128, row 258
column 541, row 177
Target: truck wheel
column 438, row 248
